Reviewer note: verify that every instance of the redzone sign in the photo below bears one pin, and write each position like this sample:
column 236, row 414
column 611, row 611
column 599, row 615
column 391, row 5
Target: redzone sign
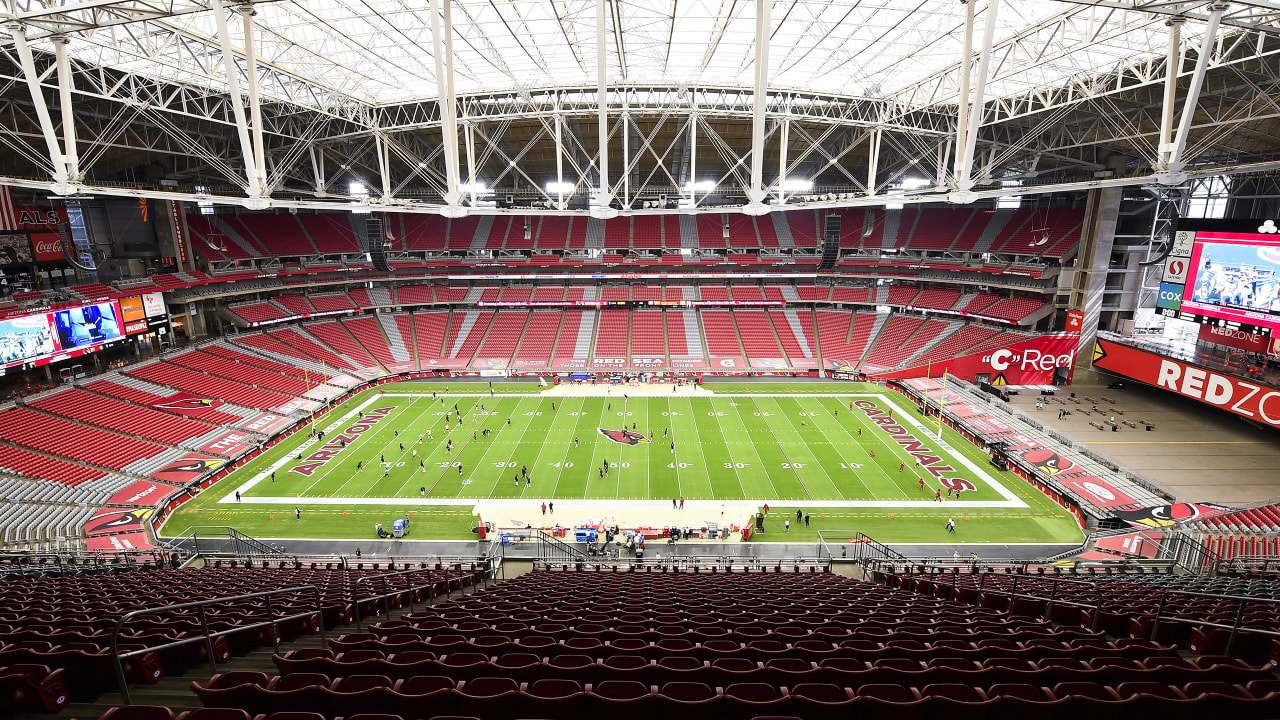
column 1235, row 395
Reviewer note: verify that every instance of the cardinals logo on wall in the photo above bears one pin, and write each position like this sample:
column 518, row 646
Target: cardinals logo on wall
column 187, row 469
column 1168, row 515
column 624, row 437
column 835, row 365
column 118, row 521
column 1048, row 461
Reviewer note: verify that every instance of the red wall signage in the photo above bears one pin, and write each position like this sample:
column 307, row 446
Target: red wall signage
column 1239, row 340
column 1236, row 395
column 229, row 445
column 1029, row 362
column 142, row 493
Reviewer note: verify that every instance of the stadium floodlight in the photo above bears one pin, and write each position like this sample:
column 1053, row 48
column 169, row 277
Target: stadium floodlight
column 477, row 188
column 560, row 188
column 360, row 197
column 702, row 186
column 1009, row 202
column 796, row 185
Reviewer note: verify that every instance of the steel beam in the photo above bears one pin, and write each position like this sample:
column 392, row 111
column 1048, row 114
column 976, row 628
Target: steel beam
column 70, row 152
column 57, row 160
column 964, row 181
column 442, row 50
column 1173, row 168
column 605, row 193
column 756, row 193
column 1173, row 65
column 873, row 161
column 255, row 106
column 784, row 139
column 966, row 72
column 254, row 201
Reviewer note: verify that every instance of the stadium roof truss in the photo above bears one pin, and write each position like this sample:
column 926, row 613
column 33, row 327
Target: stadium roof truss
column 698, row 104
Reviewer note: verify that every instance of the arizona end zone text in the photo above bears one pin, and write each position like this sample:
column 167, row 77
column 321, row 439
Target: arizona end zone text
column 914, row 447
column 328, row 452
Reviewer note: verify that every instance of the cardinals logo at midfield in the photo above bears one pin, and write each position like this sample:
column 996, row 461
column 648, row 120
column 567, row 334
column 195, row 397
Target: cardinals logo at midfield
column 624, row 437
column 1048, row 461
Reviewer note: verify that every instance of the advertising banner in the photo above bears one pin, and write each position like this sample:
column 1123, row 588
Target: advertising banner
column 133, row 315
column 1170, row 297
column 153, row 305
column 125, row 541
column 1238, row 339
column 693, row 362
column 141, row 493
column 47, row 247
column 485, row 364
column 716, row 362
column 1244, row 398
column 570, row 363
column 296, row 404
column 188, row 468
column 443, row 363
column 1175, row 270
column 231, row 444
column 1029, row 362
column 1075, row 321
column 1142, row 544
column 529, row 364
column 648, row 363
column 1097, row 491
column 768, row 363
column 267, row 424
column 187, row 404
column 108, row 521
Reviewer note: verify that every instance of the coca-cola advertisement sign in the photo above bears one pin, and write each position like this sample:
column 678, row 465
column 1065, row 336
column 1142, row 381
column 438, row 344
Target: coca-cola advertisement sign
column 47, row 246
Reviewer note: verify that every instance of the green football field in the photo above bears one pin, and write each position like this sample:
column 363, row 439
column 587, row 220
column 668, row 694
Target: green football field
column 813, row 446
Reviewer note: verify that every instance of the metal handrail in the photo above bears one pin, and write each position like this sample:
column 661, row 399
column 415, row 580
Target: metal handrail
column 1235, row 627
column 684, row 562
column 1012, row 593
column 355, row 589
column 207, row 636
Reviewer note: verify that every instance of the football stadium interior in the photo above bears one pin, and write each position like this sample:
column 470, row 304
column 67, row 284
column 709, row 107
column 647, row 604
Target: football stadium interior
column 476, row 360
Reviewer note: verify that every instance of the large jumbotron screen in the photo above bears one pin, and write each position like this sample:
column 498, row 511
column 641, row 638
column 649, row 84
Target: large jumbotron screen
column 1235, row 277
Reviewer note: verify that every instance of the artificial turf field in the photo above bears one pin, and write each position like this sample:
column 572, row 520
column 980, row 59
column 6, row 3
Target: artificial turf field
column 786, row 445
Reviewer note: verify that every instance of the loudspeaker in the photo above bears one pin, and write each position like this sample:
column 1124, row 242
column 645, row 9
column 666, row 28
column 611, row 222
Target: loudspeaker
column 374, row 246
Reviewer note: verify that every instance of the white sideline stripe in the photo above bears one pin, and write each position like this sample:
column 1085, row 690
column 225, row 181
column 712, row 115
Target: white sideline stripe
column 1010, row 500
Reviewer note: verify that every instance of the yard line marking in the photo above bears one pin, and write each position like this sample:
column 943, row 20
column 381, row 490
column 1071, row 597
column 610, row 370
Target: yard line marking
column 778, row 442
column 764, row 468
column 810, row 448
